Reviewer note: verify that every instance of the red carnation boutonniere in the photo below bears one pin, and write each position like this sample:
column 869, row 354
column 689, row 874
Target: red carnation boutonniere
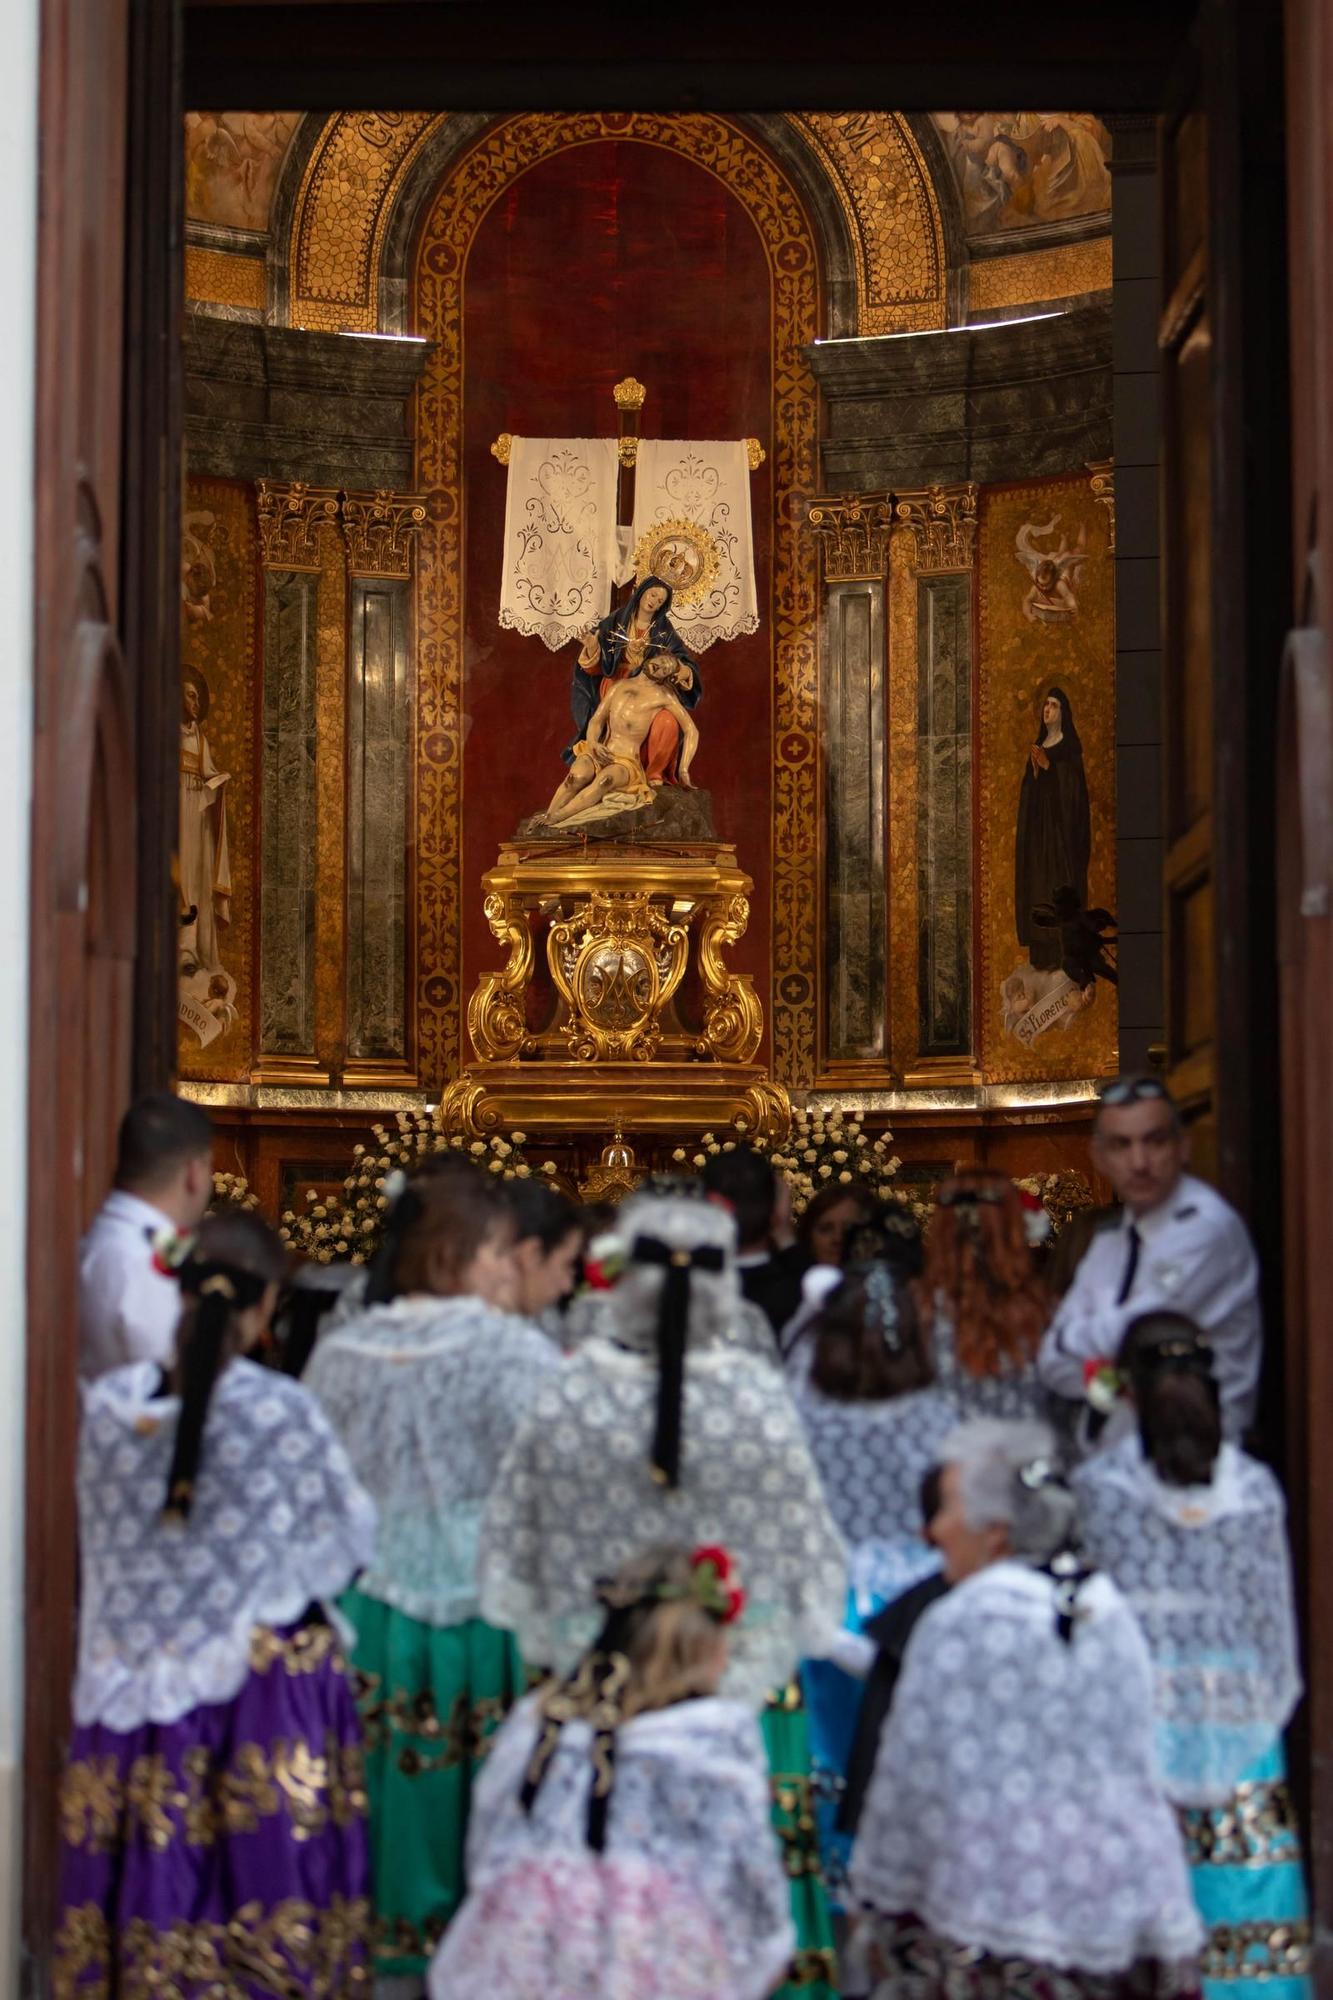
column 604, row 1263
column 1103, row 1384
column 170, row 1250
column 1036, row 1221
column 715, row 1585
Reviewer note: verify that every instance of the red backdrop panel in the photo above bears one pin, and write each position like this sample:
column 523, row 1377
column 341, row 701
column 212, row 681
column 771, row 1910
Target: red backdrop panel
column 609, row 260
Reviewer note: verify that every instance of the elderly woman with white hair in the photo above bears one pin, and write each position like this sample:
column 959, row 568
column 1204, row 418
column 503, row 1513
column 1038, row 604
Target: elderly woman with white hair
column 662, row 1430
column 1015, row 1840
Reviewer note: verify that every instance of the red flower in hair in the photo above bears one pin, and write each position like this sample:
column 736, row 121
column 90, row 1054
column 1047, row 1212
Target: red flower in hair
column 713, row 1573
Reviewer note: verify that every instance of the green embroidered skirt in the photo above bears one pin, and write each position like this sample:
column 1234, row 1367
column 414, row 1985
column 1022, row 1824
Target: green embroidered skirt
column 812, row 1974
column 431, row 1697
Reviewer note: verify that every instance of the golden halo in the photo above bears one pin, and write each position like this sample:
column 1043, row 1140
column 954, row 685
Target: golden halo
column 683, row 554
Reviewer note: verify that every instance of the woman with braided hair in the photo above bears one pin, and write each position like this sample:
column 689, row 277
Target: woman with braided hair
column 620, row 1841
column 1194, row 1532
column 661, row 1429
column 213, row 1809
column 426, row 1386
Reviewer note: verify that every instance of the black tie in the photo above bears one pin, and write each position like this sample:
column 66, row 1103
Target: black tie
column 1131, row 1265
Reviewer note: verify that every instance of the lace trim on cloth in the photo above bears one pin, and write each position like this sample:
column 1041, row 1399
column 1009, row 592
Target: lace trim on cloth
column 279, row 1521
column 704, row 482
column 1208, row 1573
column 575, row 1498
column 998, row 1722
column 426, row 1394
column 296, row 1946
column 560, row 547
column 307, row 1787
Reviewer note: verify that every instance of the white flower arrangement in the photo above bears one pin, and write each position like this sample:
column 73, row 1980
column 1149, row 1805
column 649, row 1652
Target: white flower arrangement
column 348, row 1226
column 834, row 1145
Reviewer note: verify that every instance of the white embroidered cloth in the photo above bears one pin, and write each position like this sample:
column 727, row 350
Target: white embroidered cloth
column 688, row 1900
column 560, row 550
column 425, row 1394
column 575, row 1498
column 1208, row 1572
column 705, row 481
column 1014, row 1804
column 278, row 1521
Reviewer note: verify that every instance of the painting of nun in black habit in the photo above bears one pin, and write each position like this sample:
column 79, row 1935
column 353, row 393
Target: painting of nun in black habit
column 1053, row 841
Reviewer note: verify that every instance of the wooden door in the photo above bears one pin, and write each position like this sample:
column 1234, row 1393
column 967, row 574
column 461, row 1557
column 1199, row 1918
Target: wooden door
column 106, row 565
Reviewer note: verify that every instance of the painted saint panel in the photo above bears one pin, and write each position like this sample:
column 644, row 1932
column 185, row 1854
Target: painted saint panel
column 1047, row 789
column 231, row 164
column 216, row 839
column 1019, row 169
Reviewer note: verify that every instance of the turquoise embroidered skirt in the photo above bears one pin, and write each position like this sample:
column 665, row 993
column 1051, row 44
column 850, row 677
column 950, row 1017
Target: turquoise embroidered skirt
column 1245, row 1866
column 813, row 1972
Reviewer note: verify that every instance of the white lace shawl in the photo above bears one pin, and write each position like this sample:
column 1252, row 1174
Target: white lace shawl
column 1015, row 1393
column 592, row 1315
column 425, row 1394
column 575, row 1498
column 278, row 1521
column 689, row 1890
column 871, row 1458
column 1014, row 1805
column 1208, row 1572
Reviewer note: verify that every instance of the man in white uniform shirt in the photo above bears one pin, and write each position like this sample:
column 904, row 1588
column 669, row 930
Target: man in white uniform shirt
column 164, row 1181
column 1177, row 1246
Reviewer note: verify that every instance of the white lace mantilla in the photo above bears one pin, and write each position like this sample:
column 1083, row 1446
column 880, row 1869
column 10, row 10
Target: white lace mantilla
column 425, row 1394
column 575, row 1498
column 278, row 1521
column 561, row 551
column 1014, row 1805
column 1015, row 1393
column 705, row 481
column 688, row 1901
column 1208, row 1572
column 872, row 1456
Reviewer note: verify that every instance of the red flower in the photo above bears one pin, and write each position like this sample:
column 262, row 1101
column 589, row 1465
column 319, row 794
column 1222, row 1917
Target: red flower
column 1093, row 1367
column 596, row 1278
column 1029, row 1200
column 712, row 1552
column 735, row 1604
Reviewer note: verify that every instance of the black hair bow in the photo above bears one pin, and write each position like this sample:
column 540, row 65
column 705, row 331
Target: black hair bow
column 673, row 1319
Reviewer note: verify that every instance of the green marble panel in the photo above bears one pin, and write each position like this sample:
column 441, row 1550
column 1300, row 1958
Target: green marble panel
column 944, row 814
column 379, row 716
column 855, row 822
column 287, row 850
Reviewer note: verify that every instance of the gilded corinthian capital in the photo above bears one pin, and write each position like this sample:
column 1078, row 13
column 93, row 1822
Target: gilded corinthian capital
column 853, row 531
column 381, row 529
column 943, row 522
column 291, row 517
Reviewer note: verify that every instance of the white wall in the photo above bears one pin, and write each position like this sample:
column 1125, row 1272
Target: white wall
column 18, row 307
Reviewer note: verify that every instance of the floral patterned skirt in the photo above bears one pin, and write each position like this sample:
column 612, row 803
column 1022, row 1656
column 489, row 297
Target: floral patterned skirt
column 912, row 1963
column 226, row 1852
column 431, row 1698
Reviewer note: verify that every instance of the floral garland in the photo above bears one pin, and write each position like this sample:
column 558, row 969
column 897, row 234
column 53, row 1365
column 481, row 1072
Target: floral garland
column 233, row 1191
column 349, row 1225
column 833, row 1149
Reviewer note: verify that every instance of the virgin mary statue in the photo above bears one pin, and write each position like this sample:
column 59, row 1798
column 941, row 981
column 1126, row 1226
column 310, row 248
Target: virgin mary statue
column 1053, row 841
column 617, row 648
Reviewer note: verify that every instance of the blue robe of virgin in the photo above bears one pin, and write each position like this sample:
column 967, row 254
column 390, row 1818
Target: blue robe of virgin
column 613, row 634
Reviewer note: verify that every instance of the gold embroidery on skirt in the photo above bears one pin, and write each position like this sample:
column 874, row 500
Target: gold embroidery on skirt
column 462, row 1738
column 1256, row 1827
column 299, row 1652
column 291, row 1780
column 1257, row 1951
column 295, row 1944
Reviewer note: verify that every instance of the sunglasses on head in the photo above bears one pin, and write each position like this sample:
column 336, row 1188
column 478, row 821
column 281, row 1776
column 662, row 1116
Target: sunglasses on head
column 1136, row 1090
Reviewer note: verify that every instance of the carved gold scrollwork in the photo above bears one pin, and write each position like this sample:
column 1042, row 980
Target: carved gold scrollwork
column 733, row 1017
column 381, row 530
column 616, row 962
column 496, row 1020
column 503, row 446
column 943, row 521
column 1102, row 478
column 629, row 394
column 853, row 536
column 290, row 520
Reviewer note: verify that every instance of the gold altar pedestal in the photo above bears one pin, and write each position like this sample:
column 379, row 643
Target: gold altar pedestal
column 614, row 1007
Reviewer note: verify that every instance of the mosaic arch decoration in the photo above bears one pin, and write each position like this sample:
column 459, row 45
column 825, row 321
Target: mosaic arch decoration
column 362, row 159
column 501, row 154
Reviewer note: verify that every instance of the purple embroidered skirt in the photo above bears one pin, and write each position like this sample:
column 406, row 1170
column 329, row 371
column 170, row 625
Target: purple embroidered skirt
column 226, row 1852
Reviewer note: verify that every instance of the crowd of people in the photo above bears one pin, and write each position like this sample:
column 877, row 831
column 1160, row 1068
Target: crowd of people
column 712, row 1611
